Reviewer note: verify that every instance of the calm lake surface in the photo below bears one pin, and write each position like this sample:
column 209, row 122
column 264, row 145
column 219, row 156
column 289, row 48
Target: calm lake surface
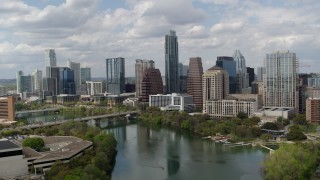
column 146, row 153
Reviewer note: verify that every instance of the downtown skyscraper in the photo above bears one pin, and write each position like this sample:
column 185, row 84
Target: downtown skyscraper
column 77, row 73
column 115, row 72
column 194, row 82
column 172, row 63
column 242, row 75
column 140, row 67
column 50, row 58
column 281, row 79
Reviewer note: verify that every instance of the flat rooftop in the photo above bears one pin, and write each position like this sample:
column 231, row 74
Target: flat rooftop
column 5, row 144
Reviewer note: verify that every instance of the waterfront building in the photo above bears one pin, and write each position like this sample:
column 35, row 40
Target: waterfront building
column 183, row 74
column 228, row 64
column 171, row 63
column 7, row 108
column 66, row 81
column 281, row 80
column 313, row 110
column 75, row 67
column 270, row 114
column 251, row 74
column 115, row 70
column 151, row 84
column 50, row 58
column 24, row 83
column 215, row 85
column 314, row 82
column 242, row 75
column 95, row 87
column 85, row 74
column 171, row 102
column 37, row 81
column 140, row 67
column 231, row 105
column 260, row 72
column 194, row 82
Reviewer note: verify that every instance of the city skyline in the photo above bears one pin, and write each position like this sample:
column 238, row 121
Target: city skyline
column 95, row 30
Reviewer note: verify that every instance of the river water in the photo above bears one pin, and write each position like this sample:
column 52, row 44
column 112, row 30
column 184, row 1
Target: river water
column 146, row 153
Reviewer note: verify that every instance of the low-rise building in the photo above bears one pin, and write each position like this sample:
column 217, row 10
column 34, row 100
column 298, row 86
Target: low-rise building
column 3, row 90
column 270, row 114
column 134, row 102
column 12, row 162
column 174, row 101
column 313, row 110
column 7, row 108
column 232, row 105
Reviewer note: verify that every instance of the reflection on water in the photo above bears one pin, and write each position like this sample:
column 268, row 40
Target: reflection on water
column 147, row 153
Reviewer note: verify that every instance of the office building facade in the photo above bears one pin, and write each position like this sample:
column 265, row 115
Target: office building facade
column 183, row 76
column 281, row 80
column 251, row 74
column 75, row 67
column 194, row 82
column 7, row 108
column 170, row 102
column 151, row 84
column 314, row 82
column 85, row 74
column 172, row 63
column 95, row 87
column 37, row 81
column 215, row 85
column 313, row 110
column 115, row 70
column 260, row 72
column 66, row 81
column 241, row 68
column 228, row 64
column 50, row 58
column 24, row 83
column 140, row 67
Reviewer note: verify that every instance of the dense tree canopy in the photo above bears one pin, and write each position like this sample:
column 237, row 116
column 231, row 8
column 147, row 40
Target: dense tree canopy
column 35, row 143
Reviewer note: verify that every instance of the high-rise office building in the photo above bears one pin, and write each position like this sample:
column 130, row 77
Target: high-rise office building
column 50, row 58
column 260, row 72
column 85, row 75
column 151, row 84
column 228, row 64
column 172, row 63
column 52, row 81
column 215, row 85
column 37, row 81
column 250, row 72
column 95, row 87
column 115, row 70
column 66, row 81
column 281, row 80
column 194, row 82
column 3, row 90
column 141, row 67
column 313, row 110
column 183, row 75
column 242, row 75
column 314, row 82
column 50, row 87
column 75, row 67
column 24, row 83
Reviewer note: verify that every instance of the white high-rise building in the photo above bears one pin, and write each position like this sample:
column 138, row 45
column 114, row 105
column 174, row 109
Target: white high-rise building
column 242, row 75
column 281, row 79
column 50, row 58
column 77, row 74
column 141, row 67
column 260, row 72
column 95, row 87
column 37, row 81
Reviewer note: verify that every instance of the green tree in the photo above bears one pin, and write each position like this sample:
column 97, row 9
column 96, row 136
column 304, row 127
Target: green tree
column 265, row 137
column 270, row 125
column 295, row 134
column 291, row 162
column 300, row 119
column 283, row 121
column 34, row 143
column 242, row 115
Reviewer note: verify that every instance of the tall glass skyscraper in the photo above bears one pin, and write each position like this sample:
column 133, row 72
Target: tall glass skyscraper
column 115, row 75
column 228, row 64
column 172, row 63
column 85, row 75
column 77, row 73
column 242, row 75
column 281, row 79
column 24, row 83
column 50, row 58
column 67, row 84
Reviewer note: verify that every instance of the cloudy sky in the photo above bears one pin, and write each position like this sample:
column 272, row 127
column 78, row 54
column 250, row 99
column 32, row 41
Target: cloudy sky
column 89, row 31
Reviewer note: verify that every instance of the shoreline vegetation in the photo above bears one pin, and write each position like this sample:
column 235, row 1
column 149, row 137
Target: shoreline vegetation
column 291, row 161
